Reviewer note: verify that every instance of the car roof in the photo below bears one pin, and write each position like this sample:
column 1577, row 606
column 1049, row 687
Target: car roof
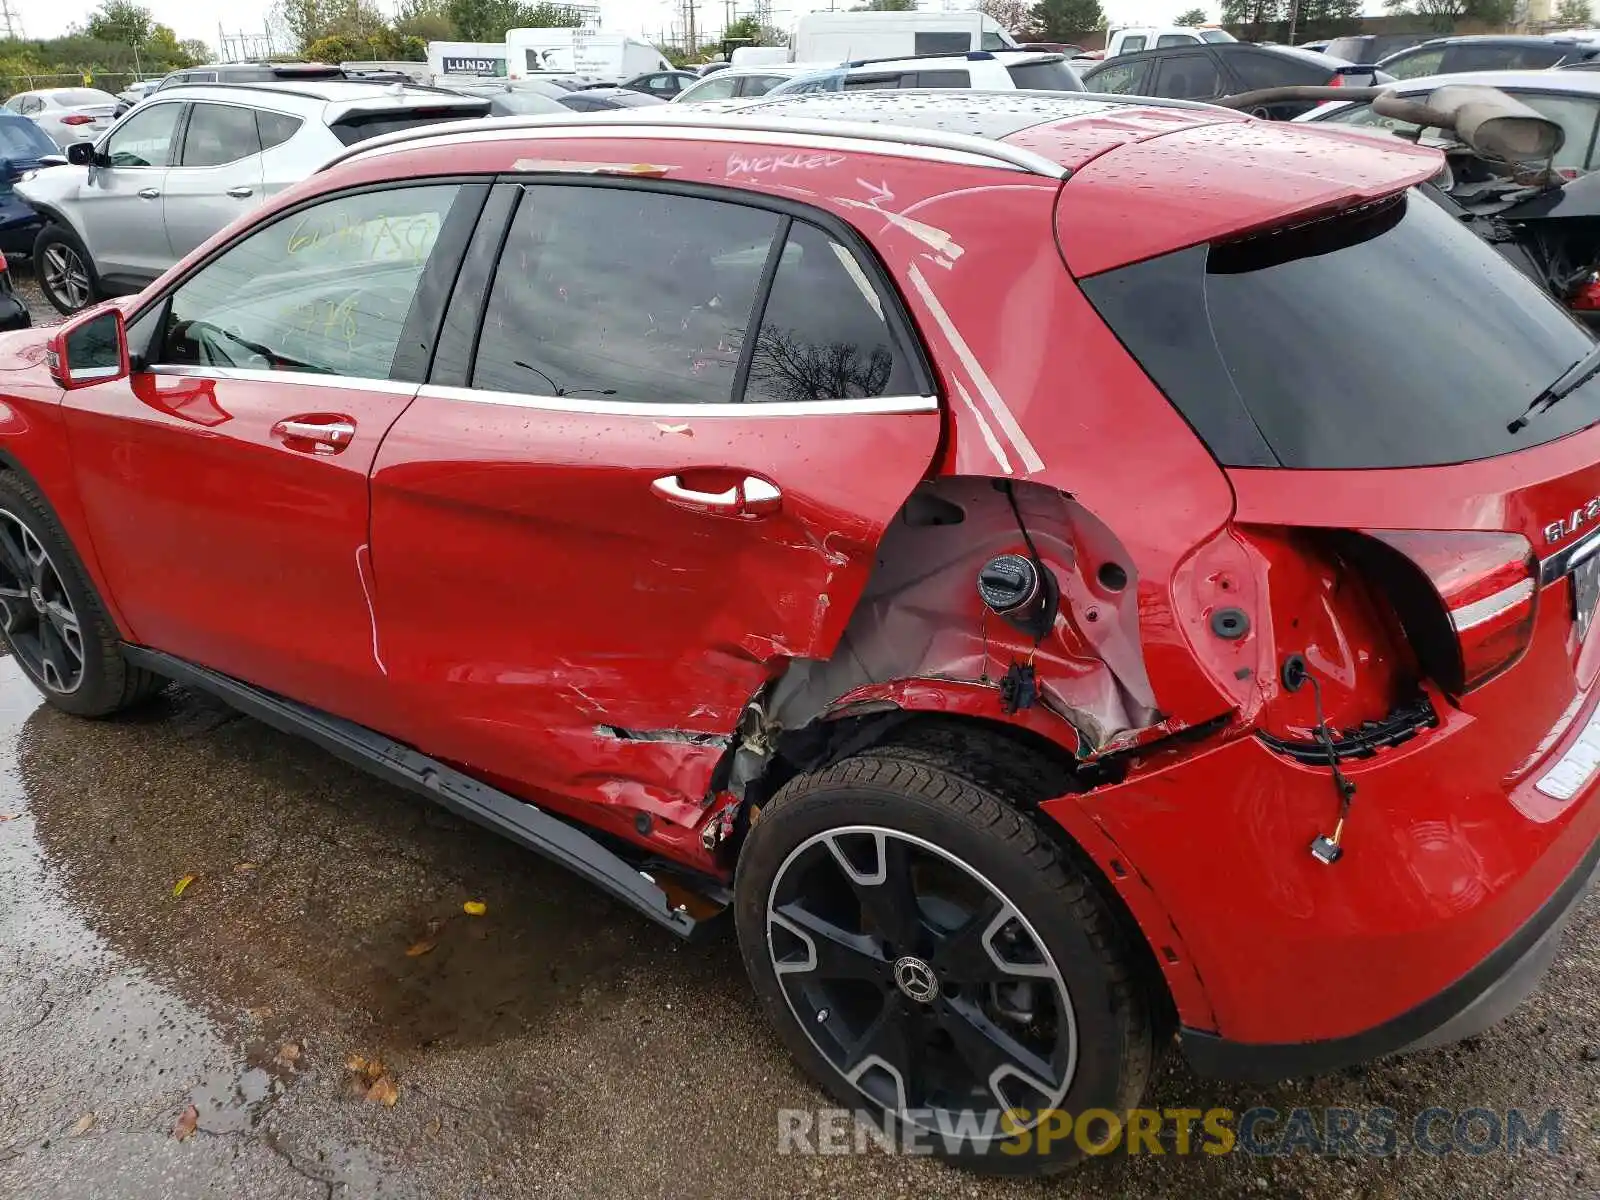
column 1298, row 53
column 1498, row 39
column 327, row 91
column 1580, row 83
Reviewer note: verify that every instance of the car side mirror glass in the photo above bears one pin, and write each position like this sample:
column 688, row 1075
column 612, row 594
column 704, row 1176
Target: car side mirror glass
column 93, row 349
column 81, row 154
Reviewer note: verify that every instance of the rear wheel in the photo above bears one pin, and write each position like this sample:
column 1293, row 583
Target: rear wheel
column 66, row 273
column 929, row 957
column 52, row 620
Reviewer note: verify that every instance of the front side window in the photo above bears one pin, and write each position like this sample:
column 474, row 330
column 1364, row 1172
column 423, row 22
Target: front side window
column 145, row 138
column 1133, row 45
column 1216, row 35
column 1119, row 79
column 713, row 89
column 325, row 290
column 993, row 41
column 1175, row 39
column 218, row 134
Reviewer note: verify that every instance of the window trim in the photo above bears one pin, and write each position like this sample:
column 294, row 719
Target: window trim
column 895, row 404
column 469, row 303
column 424, row 320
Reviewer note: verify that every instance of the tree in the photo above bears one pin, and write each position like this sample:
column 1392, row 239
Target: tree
column 1574, row 12
column 1442, row 15
column 886, row 6
column 121, row 21
column 1062, row 20
column 1010, row 15
column 1254, row 15
column 428, row 20
column 1194, row 16
column 488, row 20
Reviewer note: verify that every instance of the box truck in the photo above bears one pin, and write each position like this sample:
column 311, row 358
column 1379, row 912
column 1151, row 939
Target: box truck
column 841, row 36
column 588, row 55
column 467, row 58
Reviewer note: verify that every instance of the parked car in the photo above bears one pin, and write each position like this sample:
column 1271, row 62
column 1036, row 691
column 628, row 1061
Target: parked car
column 252, row 72
column 996, row 71
column 1492, row 52
column 741, row 82
column 132, row 94
column 24, row 147
column 1372, row 47
column 712, row 68
column 602, row 99
column 1227, row 69
column 513, row 99
column 13, row 312
column 663, row 85
column 1570, row 98
column 1318, row 47
column 1132, row 39
column 68, row 115
column 189, row 160
column 866, row 629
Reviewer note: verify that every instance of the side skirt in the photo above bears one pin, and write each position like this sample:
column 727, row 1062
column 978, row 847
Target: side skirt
column 398, row 763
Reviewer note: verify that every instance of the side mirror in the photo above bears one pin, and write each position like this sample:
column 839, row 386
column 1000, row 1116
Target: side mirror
column 81, row 154
column 92, row 349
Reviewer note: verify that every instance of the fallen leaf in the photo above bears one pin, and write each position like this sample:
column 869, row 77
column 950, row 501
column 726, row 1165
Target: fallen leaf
column 177, row 888
column 187, row 1120
column 434, row 1126
column 356, row 1063
column 474, row 908
column 259, row 1014
column 244, row 868
column 418, row 949
column 383, row 1091
column 288, row 1053
column 85, row 1123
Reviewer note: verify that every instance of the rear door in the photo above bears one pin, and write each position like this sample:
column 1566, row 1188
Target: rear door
column 216, row 175
column 624, row 511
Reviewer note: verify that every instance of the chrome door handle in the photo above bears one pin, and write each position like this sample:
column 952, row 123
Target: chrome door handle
column 669, row 487
column 335, row 435
column 148, row 193
column 239, row 193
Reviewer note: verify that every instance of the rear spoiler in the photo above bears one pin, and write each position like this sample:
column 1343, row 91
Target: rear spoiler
column 1491, row 124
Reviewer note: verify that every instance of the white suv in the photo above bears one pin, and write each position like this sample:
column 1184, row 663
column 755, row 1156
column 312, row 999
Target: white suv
column 188, row 161
column 983, row 70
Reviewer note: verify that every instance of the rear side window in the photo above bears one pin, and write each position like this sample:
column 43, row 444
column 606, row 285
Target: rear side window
column 275, row 129
column 939, row 79
column 1051, row 75
column 649, row 297
column 939, row 42
column 217, row 134
column 358, row 127
column 1257, row 70
column 823, row 333
column 872, row 83
column 623, row 292
column 1388, row 337
column 1187, row 77
column 1502, row 58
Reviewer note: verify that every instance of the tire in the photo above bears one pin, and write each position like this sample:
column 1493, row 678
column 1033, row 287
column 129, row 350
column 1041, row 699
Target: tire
column 60, row 256
column 1040, row 960
column 50, row 617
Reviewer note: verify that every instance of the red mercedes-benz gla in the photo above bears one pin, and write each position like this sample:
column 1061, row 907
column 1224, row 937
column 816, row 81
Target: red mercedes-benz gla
column 1056, row 567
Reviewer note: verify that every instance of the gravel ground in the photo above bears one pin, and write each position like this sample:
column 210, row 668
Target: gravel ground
column 556, row 1046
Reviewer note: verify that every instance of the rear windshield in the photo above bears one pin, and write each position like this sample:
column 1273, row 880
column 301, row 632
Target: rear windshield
column 82, row 97
column 1351, row 49
column 1386, row 337
column 1048, row 75
column 23, row 141
column 358, row 127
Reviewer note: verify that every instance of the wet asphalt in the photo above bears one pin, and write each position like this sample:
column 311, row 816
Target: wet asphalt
column 557, row 1045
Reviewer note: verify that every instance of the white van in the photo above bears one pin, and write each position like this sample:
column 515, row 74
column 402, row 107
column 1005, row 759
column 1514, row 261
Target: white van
column 588, row 55
column 446, row 59
column 1154, row 37
column 842, row 36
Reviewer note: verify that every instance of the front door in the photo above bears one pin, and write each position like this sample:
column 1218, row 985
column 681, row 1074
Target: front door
column 119, row 205
column 215, row 176
column 626, row 515
column 225, row 482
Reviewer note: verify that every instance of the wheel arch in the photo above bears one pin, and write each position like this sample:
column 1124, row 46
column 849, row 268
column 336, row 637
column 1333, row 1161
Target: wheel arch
column 51, row 476
column 1022, row 768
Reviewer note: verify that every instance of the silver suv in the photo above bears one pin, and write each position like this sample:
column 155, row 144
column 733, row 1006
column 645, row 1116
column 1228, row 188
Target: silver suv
column 190, row 160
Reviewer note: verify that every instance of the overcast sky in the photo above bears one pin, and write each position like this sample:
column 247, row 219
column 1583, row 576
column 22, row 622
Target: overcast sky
column 193, row 19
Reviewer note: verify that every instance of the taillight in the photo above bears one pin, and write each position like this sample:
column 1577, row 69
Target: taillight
column 1336, row 81
column 1486, row 582
column 4, row 266
column 1587, row 297
column 77, row 119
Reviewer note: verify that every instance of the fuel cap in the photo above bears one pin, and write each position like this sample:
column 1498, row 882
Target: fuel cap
column 1008, row 583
